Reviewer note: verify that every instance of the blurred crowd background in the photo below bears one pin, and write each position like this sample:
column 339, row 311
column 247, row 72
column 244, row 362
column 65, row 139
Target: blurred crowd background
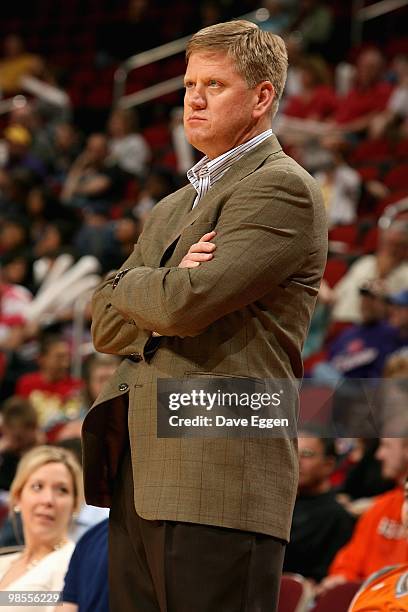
column 80, row 169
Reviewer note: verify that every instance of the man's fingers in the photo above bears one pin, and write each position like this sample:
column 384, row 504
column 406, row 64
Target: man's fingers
column 202, row 247
column 207, row 236
column 199, row 256
column 188, row 263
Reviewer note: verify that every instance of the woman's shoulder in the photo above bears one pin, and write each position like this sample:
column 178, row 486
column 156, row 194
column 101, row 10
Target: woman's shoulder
column 6, row 559
column 64, row 551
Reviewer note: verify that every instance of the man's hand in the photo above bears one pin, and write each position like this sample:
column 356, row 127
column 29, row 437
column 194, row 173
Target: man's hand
column 328, row 583
column 200, row 251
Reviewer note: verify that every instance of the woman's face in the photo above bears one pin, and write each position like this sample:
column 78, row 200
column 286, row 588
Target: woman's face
column 47, row 502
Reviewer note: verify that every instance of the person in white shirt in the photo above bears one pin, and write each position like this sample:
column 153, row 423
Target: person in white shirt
column 46, row 490
column 128, row 149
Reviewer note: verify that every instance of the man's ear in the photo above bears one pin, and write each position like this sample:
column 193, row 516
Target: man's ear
column 266, row 97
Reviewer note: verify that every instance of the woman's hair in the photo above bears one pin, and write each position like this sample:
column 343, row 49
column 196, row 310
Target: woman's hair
column 36, row 458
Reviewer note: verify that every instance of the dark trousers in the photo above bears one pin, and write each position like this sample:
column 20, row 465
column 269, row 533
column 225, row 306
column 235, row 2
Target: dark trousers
column 166, row 566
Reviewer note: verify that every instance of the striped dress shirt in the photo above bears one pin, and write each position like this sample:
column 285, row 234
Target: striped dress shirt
column 207, row 171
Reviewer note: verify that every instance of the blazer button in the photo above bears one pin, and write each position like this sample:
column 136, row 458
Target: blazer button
column 136, row 357
column 123, row 387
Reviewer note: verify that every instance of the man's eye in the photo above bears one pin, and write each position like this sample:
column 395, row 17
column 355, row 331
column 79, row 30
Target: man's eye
column 188, row 84
column 36, row 486
column 213, row 83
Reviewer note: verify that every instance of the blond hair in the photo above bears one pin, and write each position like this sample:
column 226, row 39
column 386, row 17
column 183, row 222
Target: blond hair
column 258, row 55
column 36, row 458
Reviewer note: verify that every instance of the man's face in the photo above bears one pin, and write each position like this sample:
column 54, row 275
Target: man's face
column 373, row 308
column 218, row 105
column 393, row 454
column 96, row 148
column 55, row 362
column 398, row 316
column 314, row 466
column 395, row 245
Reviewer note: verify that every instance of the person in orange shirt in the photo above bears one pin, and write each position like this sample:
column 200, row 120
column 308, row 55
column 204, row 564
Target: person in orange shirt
column 379, row 537
column 386, row 590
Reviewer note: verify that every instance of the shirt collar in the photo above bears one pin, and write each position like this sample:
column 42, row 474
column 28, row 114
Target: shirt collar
column 215, row 168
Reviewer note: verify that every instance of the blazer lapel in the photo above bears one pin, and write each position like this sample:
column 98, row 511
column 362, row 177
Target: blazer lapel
column 241, row 169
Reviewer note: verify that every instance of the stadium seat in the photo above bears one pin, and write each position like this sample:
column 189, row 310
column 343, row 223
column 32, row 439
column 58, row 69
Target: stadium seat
column 369, row 173
column 344, row 233
column 401, row 150
column 295, row 593
column 335, row 270
column 397, row 178
column 337, row 599
column 371, row 150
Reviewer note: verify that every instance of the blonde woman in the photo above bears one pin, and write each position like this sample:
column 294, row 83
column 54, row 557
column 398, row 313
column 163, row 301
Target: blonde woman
column 47, row 490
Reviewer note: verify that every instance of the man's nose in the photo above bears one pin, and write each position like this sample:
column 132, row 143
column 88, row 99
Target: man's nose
column 197, row 98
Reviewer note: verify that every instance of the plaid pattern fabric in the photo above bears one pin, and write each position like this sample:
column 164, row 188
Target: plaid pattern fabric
column 246, row 312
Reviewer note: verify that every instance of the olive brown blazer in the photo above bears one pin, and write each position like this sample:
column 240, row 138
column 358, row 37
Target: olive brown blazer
column 244, row 313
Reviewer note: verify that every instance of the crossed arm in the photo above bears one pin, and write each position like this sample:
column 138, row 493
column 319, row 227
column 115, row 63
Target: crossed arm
column 259, row 245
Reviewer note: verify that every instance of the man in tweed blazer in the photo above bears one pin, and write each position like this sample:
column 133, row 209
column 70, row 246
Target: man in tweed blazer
column 222, row 282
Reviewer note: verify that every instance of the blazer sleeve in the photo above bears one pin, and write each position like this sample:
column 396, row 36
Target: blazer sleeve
column 264, row 235
column 111, row 331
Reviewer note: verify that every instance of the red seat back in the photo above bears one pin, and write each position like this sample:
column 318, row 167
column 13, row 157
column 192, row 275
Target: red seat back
column 337, row 599
column 295, row 593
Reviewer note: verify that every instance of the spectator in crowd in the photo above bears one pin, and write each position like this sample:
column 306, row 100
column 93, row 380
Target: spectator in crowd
column 66, row 144
column 363, row 480
column 360, row 351
column 385, row 589
column 14, row 188
column 389, row 263
column 111, row 243
column 53, row 391
column 86, row 516
column 16, row 266
column 86, row 581
column 320, row 525
column 17, row 151
column 368, row 97
column 32, row 118
column 98, row 368
column 341, row 187
column 46, row 490
column 127, row 148
column 317, row 99
column 41, row 207
column 16, row 63
column 396, row 366
column 55, row 239
column 392, row 399
column 398, row 314
column 397, row 107
column 14, row 233
column 379, row 530
column 19, row 433
column 14, row 302
column 160, row 182
column 93, row 184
